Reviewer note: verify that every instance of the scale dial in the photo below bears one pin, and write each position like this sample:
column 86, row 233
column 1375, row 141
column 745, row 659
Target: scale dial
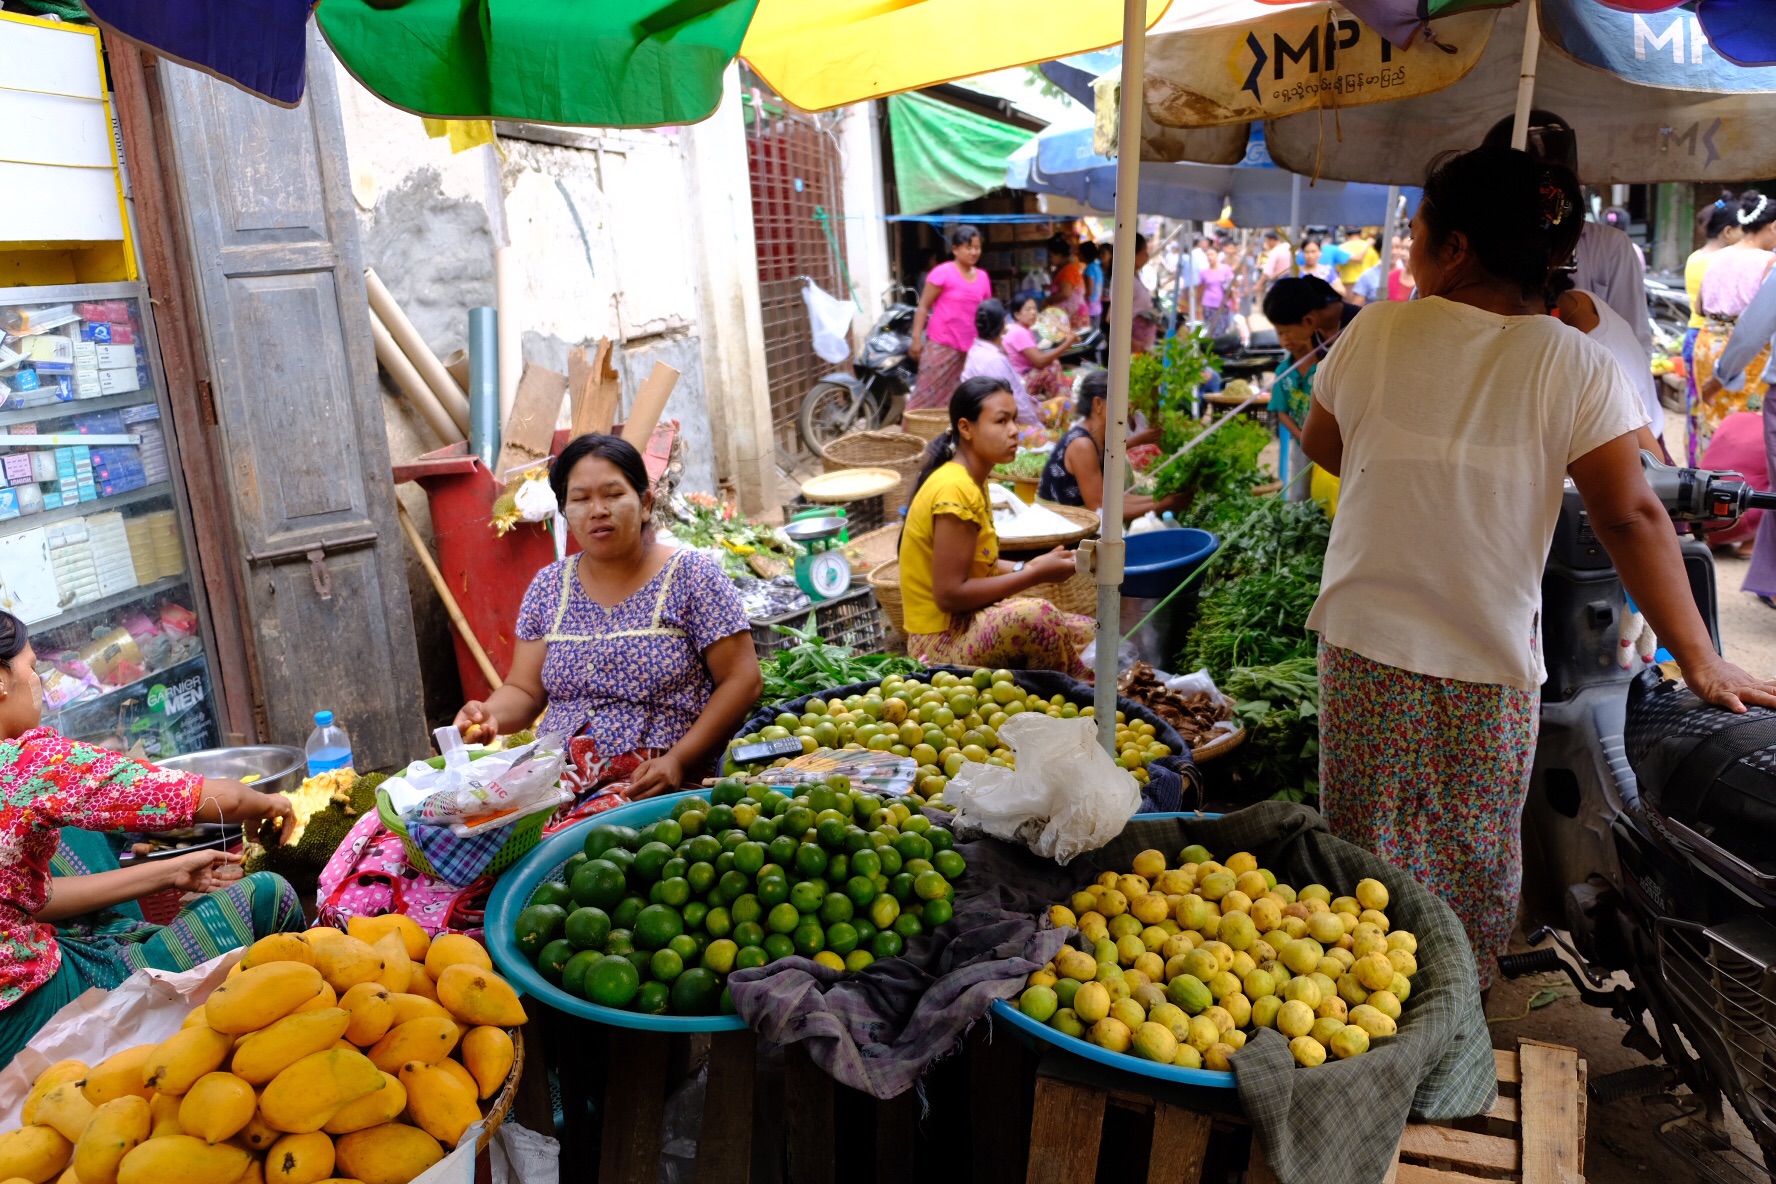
column 830, row 574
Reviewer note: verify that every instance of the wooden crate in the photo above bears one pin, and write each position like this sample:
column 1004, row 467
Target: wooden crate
column 1534, row 1133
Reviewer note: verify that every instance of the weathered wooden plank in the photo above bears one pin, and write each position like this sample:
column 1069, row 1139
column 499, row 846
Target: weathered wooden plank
column 1550, row 1114
column 1064, row 1136
column 808, row 1119
column 1504, row 1109
column 531, row 1108
column 1506, row 1060
column 1258, row 1170
column 995, row 1104
column 1464, row 1147
column 724, row 1141
column 1393, row 1172
column 1412, row 1173
column 1180, row 1139
column 634, row 1102
column 897, row 1128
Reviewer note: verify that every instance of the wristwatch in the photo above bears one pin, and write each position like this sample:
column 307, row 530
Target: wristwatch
column 1019, row 565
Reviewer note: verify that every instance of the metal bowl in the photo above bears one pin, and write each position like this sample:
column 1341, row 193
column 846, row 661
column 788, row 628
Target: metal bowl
column 276, row 768
column 811, row 530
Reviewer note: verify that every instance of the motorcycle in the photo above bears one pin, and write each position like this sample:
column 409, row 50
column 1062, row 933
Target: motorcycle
column 1649, row 836
column 875, row 393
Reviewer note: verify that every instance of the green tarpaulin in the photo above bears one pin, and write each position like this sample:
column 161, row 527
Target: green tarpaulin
column 944, row 155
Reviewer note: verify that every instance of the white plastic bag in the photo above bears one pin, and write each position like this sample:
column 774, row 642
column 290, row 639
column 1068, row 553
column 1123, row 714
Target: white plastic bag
column 521, row 1156
column 1066, row 796
column 830, row 319
column 470, row 796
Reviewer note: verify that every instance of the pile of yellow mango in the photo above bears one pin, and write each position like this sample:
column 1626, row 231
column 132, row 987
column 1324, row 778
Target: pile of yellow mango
column 323, row 1056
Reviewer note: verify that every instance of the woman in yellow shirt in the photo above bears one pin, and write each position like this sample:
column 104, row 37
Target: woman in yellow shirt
column 961, row 600
column 1719, row 229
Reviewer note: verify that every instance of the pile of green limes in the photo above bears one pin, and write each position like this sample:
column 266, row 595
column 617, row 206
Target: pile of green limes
column 655, row 919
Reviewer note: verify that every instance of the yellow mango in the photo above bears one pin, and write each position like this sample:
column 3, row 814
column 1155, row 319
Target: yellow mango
column 459, row 1074
column 300, row 1159
column 115, row 1130
column 426, row 1039
column 320, row 934
column 393, row 1153
column 372, row 1015
column 66, row 1109
column 303, row 1097
column 163, row 1113
column 488, row 1054
column 257, row 1135
column 278, row 947
column 373, row 929
column 68, row 1176
column 118, row 1075
column 408, row 1006
column 217, row 1107
column 270, row 1051
column 183, row 1159
column 448, row 949
column 47, row 1080
column 195, row 1016
column 261, row 996
column 438, row 1103
column 345, row 962
column 35, row 1153
column 345, row 1045
column 255, row 1173
column 175, row 1065
column 478, row 996
column 373, row 1109
column 327, row 998
column 397, row 967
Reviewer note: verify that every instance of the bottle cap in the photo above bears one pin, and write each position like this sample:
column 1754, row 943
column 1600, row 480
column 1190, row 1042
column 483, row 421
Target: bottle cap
column 323, row 718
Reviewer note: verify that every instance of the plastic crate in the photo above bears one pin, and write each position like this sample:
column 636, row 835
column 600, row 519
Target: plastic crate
column 853, row 619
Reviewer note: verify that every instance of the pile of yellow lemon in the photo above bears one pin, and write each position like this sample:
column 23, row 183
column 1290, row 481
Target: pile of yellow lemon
column 1186, row 961
column 323, row 1056
column 942, row 723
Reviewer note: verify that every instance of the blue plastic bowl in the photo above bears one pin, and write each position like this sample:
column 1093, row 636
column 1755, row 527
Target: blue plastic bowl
column 1158, row 560
column 544, row 862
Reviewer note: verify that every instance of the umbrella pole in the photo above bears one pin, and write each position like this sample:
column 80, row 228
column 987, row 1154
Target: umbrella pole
column 1526, row 76
column 1294, row 217
column 1122, row 301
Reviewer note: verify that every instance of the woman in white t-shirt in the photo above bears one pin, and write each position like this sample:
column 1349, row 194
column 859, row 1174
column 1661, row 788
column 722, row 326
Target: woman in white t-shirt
column 1454, row 420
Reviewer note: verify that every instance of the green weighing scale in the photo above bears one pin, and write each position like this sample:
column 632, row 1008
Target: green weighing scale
column 821, row 570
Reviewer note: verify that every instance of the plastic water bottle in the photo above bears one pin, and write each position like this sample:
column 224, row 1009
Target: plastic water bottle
column 328, row 746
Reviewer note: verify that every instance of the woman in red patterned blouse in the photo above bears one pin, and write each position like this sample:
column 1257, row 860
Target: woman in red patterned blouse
column 48, row 782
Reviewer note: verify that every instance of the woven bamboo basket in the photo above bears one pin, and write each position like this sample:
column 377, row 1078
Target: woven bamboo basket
column 1078, row 593
column 1221, row 745
column 927, row 423
column 869, row 551
column 899, row 451
column 502, row 1101
column 1085, row 525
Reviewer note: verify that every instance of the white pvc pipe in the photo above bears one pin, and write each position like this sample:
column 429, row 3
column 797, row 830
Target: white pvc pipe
column 505, row 288
column 1122, row 302
column 410, row 383
column 450, row 395
column 1526, row 75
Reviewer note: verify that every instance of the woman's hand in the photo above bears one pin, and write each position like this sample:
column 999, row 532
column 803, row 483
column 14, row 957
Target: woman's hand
column 663, row 774
column 1711, row 389
column 1053, row 566
column 1723, row 684
column 201, row 871
column 915, row 347
column 476, row 723
column 230, row 801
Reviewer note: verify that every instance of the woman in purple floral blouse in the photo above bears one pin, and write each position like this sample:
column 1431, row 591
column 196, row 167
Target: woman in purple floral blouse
column 641, row 647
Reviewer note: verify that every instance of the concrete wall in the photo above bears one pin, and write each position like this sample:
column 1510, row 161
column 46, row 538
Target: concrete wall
column 866, row 235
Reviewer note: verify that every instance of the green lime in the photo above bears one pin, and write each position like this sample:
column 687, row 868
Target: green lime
column 838, row 868
column 694, row 802
column 750, row 956
column 783, row 918
column 654, row 896
column 720, row 955
column 693, row 821
column 865, row 804
column 620, row 942
column 836, row 907
column 866, row 932
column 629, row 908
column 703, row 849
column 882, row 912
column 724, row 863
column 908, row 925
column 782, row 850
column 773, row 890
column 666, row 965
column 602, row 838
column 657, row 925
column 599, row 884
column 653, row 999
column 573, row 864
column 886, row 944
column 749, row 857
column 587, row 928
column 866, row 863
column 613, row 982
column 537, row 926
column 727, row 791
column 762, row 829
column 890, row 860
column 696, row 915
column 810, row 859
column 856, row 960
column 730, row 839
column 650, row 859
column 841, row 938
column 719, row 819
column 553, row 892
column 937, row 912
column 718, row 923
column 735, row 884
column 902, row 887
column 857, row 839
column 688, row 945
column 746, row 908
column 678, row 865
column 622, row 857
column 940, row 839
column 809, row 937
column 575, row 969
column 677, row 891
column 696, row 992
column 806, row 897
column 832, row 834
column 749, row 933
column 778, row 946
column 931, row 886
column 554, row 958
column 797, row 820
column 917, row 867
column 950, row 864
column 664, row 831
column 639, row 959
column 912, row 846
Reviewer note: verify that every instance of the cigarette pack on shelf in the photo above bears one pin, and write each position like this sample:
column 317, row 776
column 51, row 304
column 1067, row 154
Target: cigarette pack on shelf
column 18, row 467
column 116, row 357
column 23, row 319
column 141, row 544
column 9, row 502
column 169, row 551
column 111, row 553
column 120, row 382
column 70, row 553
column 43, row 464
column 30, row 499
column 100, row 423
column 155, row 465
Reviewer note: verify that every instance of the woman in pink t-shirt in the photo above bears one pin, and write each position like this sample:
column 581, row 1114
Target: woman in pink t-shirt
column 1040, row 368
column 943, row 327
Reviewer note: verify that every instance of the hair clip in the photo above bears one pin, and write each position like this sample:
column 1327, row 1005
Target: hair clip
column 1556, row 206
column 1747, row 217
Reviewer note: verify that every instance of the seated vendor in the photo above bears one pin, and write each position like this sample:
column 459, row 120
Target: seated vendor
column 643, row 648
column 962, row 602
column 1040, row 368
column 1074, row 474
column 48, row 782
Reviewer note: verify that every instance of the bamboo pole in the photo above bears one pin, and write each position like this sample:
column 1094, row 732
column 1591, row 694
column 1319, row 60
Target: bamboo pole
column 450, row 605
column 425, row 362
column 408, row 379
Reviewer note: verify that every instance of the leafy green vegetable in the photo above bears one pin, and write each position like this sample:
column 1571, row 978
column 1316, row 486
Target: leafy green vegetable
column 1026, row 467
column 718, row 528
column 1279, row 705
column 1258, row 619
column 812, row 665
column 1225, row 461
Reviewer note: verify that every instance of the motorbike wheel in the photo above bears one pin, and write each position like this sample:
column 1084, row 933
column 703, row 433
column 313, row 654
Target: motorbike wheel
column 828, row 412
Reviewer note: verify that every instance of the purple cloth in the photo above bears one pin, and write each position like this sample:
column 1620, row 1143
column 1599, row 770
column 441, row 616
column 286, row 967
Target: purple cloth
column 1760, row 578
column 633, row 675
column 260, row 46
column 1214, row 285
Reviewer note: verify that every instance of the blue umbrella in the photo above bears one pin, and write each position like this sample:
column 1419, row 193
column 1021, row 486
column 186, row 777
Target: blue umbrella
column 260, row 46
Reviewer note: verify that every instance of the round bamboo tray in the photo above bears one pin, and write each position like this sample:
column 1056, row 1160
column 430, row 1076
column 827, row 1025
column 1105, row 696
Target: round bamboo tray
column 927, row 423
column 870, row 551
column 899, row 451
column 1085, row 525
column 1078, row 593
column 1218, row 747
column 502, row 1101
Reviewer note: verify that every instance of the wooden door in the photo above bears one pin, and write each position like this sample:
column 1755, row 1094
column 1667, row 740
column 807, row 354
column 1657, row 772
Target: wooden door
column 274, row 247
